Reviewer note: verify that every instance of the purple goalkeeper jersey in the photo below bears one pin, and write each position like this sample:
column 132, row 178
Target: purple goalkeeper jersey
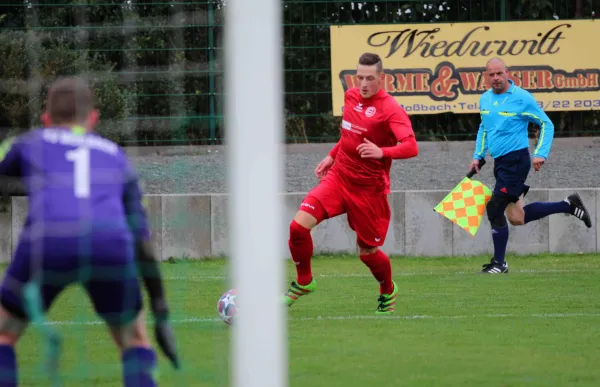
column 77, row 184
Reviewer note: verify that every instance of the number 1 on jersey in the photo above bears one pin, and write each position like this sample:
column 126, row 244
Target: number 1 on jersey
column 80, row 157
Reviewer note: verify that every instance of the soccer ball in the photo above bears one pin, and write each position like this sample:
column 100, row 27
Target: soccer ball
column 227, row 307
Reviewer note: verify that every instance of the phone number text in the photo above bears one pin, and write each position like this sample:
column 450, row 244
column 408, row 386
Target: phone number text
column 570, row 104
column 474, row 107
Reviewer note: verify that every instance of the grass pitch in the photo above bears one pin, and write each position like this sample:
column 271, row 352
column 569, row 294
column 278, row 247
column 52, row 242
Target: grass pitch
column 539, row 325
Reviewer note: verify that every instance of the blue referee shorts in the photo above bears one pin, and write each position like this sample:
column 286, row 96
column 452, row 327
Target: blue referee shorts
column 511, row 171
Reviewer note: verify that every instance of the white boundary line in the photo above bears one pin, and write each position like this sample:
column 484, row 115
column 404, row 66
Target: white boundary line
column 205, row 320
column 397, row 274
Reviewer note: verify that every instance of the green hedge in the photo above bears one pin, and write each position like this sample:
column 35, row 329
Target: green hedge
column 157, row 65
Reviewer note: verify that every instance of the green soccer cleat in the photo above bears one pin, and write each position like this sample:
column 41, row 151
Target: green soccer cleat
column 387, row 302
column 296, row 291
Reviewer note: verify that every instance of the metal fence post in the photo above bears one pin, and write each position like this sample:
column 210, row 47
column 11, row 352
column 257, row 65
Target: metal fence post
column 211, row 71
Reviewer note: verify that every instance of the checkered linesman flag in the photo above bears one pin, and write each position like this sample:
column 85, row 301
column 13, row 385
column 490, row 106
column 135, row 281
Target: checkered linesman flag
column 465, row 204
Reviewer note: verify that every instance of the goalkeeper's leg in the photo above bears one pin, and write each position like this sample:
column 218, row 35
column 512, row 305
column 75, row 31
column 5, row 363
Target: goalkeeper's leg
column 137, row 354
column 11, row 329
column 13, row 310
column 119, row 303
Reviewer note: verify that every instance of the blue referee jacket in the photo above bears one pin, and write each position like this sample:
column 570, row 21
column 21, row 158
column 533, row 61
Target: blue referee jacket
column 504, row 121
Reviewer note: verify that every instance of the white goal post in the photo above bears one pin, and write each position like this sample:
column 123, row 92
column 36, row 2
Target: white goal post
column 254, row 131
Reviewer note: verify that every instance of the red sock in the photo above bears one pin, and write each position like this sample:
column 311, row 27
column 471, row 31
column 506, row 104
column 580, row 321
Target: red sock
column 380, row 266
column 301, row 248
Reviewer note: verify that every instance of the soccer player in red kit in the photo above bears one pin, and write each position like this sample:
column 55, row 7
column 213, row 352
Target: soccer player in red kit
column 355, row 179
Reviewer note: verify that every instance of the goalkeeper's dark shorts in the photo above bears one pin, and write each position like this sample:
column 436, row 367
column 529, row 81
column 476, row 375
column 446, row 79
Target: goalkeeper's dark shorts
column 104, row 266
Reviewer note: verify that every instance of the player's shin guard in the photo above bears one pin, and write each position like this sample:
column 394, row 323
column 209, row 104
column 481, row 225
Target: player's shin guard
column 381, row 268
column 301, row 249
column 138, row 367
column 8, row 366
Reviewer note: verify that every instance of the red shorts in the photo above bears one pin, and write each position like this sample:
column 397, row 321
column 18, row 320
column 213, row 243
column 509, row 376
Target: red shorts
column 368, row 214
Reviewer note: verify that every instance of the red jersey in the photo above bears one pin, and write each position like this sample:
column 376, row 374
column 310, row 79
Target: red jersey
column 381, row 120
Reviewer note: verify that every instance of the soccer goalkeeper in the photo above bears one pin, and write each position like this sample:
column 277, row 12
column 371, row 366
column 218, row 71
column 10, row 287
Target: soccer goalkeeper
column 86, row 224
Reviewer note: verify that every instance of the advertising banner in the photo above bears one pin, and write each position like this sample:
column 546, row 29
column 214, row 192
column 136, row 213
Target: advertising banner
column 436, row 68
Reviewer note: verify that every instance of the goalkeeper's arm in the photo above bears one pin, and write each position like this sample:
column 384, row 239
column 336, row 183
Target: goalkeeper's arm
column 148, row 267
column 149, row 270
column 146, row 261
column 138, row 224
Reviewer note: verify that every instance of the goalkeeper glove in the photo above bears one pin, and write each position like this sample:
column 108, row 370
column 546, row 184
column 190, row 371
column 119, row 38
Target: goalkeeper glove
column 163, row 332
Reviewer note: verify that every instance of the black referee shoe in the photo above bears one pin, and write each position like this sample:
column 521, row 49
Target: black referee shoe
column 578, row 209
column 495, row 268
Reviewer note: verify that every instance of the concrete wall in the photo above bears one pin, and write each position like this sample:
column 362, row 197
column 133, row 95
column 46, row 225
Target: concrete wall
column 195, row 226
